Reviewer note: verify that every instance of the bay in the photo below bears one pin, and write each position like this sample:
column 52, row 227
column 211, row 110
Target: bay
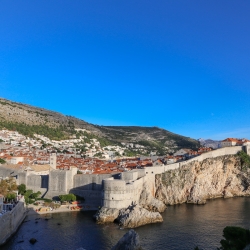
column 185, row 226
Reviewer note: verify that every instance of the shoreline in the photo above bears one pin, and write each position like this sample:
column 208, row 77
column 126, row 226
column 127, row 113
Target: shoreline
column 31, row 209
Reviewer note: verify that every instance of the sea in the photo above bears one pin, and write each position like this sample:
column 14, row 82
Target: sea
column 185, row 226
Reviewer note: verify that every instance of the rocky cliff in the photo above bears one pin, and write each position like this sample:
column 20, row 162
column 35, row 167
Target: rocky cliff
column 196, row 182
column 130, row 241
column 146, row 212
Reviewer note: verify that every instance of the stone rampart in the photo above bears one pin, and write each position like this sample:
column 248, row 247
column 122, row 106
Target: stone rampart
column 22, row 178
column 89, row 181
column 10, row 221
column 6, row 172
column 34, row 182
column 213, row 154
column 57, row 183
column 106, row 190
column 122, row 193
column 130, row 175
column 115, row 195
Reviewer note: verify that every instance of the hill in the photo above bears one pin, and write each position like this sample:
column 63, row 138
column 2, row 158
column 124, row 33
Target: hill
column 29, row 120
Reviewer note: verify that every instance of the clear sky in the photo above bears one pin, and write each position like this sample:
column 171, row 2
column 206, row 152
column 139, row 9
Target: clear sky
column 180, row 65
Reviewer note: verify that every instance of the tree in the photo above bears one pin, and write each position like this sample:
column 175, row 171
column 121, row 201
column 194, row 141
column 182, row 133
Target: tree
column 10, row 196
column 22, row 189
column 7, row 186
column 35, row 195
column 2, row 161
column 245, row 160
column 27, row 195
column 3, row 187
column 236, row 238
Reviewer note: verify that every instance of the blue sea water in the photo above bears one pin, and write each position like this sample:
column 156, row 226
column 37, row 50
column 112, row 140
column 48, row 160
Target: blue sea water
column 185, row 226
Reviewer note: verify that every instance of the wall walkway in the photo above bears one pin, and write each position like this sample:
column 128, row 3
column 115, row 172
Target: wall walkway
column 10, row 221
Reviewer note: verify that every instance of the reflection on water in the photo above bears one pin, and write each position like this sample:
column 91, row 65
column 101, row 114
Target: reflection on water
column 185, row 226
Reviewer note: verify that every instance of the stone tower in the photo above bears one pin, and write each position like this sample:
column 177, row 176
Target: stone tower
column 247, row 149
column 52, row 160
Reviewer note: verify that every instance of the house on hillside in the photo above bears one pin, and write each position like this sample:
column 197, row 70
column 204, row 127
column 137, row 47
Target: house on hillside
column 230, row 142
column 15, row 160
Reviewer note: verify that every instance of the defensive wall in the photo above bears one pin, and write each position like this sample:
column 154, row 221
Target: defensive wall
column 122, row 193
column 5, row 171
column 10, row 221
column 90, row 187
column 34, row 182
column 60, row 182
column 113, row 191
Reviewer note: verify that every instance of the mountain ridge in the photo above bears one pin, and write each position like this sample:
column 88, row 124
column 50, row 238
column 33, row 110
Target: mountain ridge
column 28, row 119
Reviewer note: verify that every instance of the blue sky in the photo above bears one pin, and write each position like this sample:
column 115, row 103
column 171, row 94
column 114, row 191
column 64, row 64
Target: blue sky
column 179, row 65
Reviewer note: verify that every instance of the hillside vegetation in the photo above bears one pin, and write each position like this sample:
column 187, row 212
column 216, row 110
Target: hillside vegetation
column 29, row 120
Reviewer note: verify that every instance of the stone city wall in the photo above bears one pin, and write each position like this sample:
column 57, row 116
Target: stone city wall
column 34, row 182
column 60, row 182
column 22, row 178
column 57, row 183
column 10, row 221
column 89, row 181
column 122, row 193
column 5, row 172
column 106, row 189
column 90, row 187
column 92, row 198
column 213, row 154
column 119, row 194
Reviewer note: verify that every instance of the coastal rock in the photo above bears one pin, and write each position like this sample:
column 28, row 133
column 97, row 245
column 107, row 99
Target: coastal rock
column 105, row 215
column 129, row 241
column 33, row 241
column 148, row 202
column 197, row 182
column 135, row 216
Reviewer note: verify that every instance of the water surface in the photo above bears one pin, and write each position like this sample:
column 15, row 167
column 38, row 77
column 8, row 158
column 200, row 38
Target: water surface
column 185, row 226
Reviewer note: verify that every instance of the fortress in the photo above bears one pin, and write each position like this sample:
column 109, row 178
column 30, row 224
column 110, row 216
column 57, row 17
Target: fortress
column 108, row 190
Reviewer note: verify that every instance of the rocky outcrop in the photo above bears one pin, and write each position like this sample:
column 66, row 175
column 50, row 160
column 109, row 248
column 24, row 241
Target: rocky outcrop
column 129, row 241
column 146, row 212
column 136, row 216
column 105, row 215
column 196, row 182
column 148, row 202
column 131, row 217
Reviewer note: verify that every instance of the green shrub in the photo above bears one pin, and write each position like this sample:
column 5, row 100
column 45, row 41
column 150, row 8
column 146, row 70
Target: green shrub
column 35, row 195
column 2, row 161
column 10, row 196
column 44, row 199
column 236, row 238
column 21, row 189
column 245, row 160
column 67, row 197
